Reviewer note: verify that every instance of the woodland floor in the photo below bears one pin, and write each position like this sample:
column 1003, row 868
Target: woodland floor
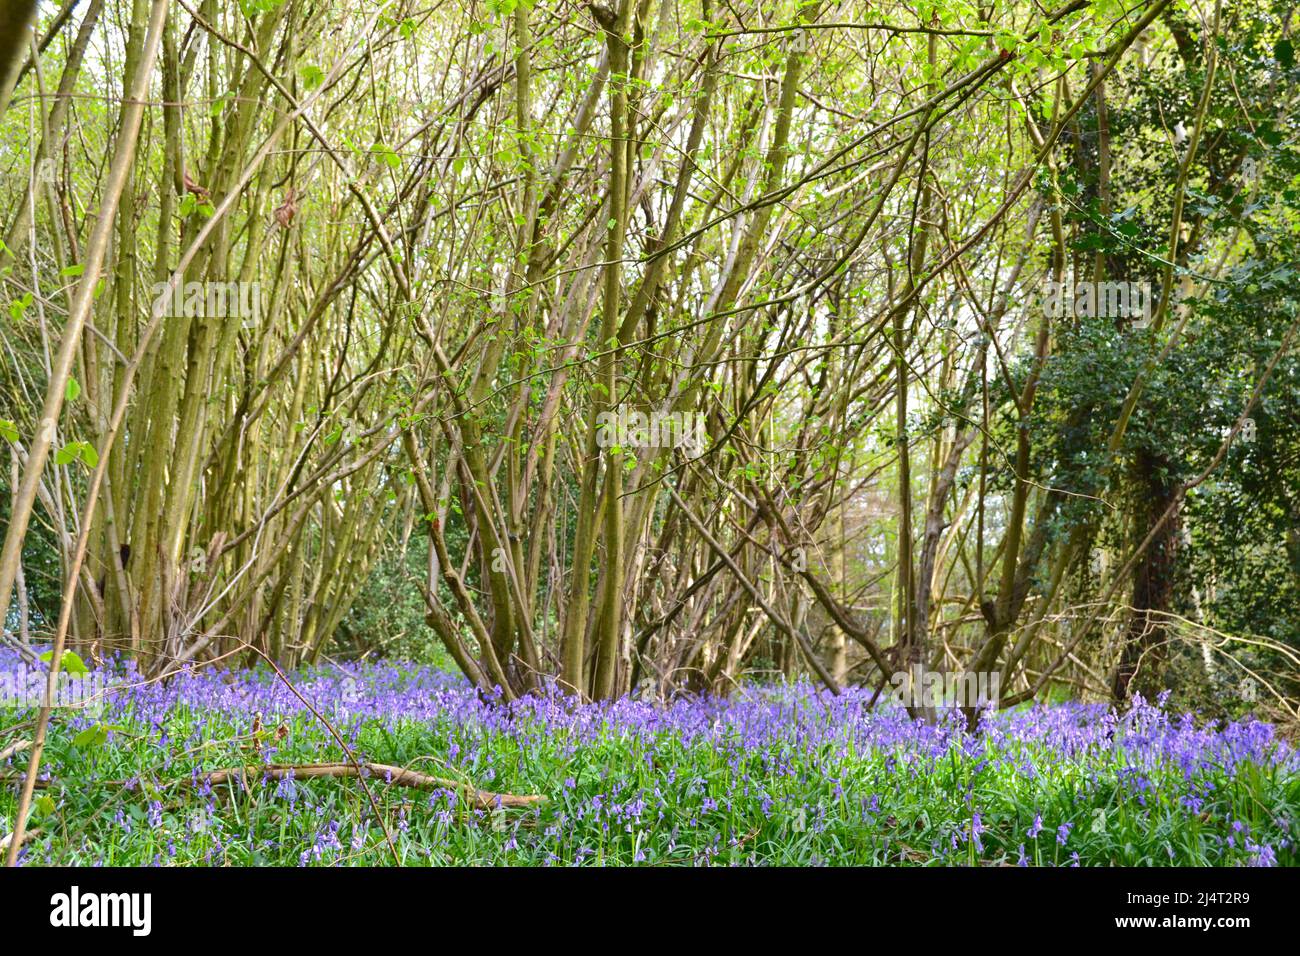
column 772, row 776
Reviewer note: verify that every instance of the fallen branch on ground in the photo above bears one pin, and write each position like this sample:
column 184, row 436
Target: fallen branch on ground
column 19, row 777
column 398, row 776
column 27, row 835
column 14, row 748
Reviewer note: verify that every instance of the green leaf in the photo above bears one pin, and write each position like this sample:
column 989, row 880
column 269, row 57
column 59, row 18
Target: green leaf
column 91, row 737
column 252, row 8
column 8, row 431
column 69, row 662
column 73, row 270
column 74, row 664
column 386, row 155
column 72, row 390
column 312, row 76
column 18, row 307
column 68, row 453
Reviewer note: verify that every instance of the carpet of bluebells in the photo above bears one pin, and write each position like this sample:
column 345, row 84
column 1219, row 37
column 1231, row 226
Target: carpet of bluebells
column 771, row 776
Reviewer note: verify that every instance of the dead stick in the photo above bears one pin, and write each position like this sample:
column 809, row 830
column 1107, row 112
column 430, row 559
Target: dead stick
column 398, row 776
column 14, row 748
column 27, row 835
column 379, row 817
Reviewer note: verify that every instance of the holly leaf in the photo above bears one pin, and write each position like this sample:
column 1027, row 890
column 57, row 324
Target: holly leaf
column 1284, row 53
